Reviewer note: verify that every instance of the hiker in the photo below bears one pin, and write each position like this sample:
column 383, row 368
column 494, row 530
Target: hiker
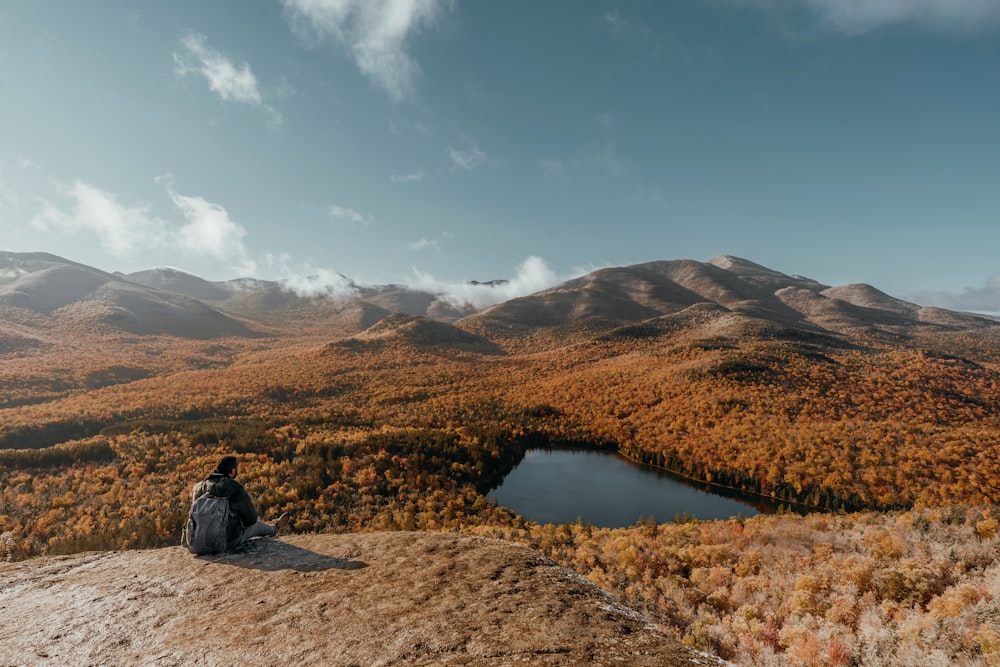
column 242, row 523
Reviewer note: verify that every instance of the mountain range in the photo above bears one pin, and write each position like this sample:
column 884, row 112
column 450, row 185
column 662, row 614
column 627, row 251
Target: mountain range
column 723, row 296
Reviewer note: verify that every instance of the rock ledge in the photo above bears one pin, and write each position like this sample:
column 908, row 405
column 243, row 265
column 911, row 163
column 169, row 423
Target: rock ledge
column 359, row 599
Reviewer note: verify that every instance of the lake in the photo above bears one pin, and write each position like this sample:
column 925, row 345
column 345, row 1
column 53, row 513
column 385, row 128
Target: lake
column 605, row 490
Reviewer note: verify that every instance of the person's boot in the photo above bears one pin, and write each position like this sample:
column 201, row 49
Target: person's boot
column 282, row 523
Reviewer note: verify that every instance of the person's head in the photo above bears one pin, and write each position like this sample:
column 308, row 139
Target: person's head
column 227, row 466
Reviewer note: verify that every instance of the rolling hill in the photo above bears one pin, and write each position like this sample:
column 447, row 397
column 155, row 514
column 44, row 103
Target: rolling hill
column 45, row 290
column 726, row 293
column 270, row 301
column 726, row 289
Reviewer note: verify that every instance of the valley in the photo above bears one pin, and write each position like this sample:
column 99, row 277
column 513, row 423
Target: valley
column 389, row 410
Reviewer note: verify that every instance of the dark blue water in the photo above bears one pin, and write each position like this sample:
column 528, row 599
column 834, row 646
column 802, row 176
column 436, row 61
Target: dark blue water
column 605, row 490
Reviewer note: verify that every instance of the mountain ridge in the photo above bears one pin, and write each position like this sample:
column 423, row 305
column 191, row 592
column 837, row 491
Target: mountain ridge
column 173, row 302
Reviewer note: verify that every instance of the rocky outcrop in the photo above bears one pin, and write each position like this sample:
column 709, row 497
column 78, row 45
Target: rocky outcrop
column 357, row 599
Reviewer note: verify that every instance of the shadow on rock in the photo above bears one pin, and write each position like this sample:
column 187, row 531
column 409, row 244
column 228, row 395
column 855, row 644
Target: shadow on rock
column 269, row 554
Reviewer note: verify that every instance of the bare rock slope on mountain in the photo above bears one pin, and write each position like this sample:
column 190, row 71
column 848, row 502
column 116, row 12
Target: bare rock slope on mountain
column 725, row 296
column 726, row 293
column 359, row 599
column 253, row 298
column 40, row 288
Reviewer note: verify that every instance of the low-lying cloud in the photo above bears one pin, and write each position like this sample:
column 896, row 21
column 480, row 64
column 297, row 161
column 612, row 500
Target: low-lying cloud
column 306, row 280
column 127, row 230
column 533, row 275
column 985, row 299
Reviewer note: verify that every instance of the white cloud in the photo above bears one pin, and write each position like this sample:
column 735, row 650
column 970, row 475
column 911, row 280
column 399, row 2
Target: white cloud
column 350, row 215
column 412, row 177
column 422, row 244
column 121, row 229
column 127, row 230
column 320, row 282
column 466, row 160
column 231, row 82
column 210, row 232
column 307, row 280
column 533, row 275
column 375, row 31
column 859, row 16
column 985, row 299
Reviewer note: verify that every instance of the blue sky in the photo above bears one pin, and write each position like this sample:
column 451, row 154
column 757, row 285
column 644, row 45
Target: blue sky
column 433, row 142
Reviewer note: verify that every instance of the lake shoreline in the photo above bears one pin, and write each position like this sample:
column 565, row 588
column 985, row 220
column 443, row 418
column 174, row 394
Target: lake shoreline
column 604, row 488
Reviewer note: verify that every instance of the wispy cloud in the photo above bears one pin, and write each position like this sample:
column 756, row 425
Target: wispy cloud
column 376, row 32
column 616, row 23
column 466, row 160
column 232, row 82
column 9, row 198
column 349, row 215
column 533, row 275
column 412, row 177
column 640, row 39
column 422, row 244
column 125, row 230
column 985, row 299
column 854, row 17
column 596, row 162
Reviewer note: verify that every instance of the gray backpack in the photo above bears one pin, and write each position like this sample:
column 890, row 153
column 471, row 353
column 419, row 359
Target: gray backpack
column 205, row 530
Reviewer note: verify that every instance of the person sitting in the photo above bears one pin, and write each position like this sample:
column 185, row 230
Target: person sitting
column 243, row 520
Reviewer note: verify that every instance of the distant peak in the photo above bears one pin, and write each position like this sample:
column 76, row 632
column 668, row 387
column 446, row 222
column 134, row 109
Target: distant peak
column 732, row 262
column 490, row 283
column 170, row 272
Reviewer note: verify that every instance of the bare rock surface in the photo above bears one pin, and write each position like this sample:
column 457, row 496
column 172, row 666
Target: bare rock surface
column 359, row 599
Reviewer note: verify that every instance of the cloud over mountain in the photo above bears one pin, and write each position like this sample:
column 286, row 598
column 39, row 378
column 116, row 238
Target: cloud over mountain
column 531, row 276
column 126, row 229
column 121, row 228
column 985, row 299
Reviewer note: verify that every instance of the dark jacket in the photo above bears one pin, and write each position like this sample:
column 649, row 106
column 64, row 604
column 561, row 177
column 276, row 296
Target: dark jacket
column 242, row 513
